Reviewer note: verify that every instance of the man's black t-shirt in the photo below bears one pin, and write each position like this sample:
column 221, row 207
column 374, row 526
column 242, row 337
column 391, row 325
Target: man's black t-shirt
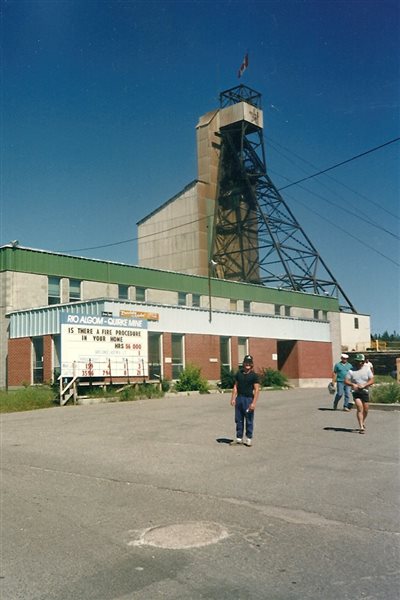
column 245, row 383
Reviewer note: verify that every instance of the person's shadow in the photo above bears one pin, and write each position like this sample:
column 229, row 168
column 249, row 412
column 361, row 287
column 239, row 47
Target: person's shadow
column 331, row 409
column 224, row 440
column 341, row 429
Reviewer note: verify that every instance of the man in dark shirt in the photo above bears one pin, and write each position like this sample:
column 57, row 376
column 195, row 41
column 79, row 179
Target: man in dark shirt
column 244, row 397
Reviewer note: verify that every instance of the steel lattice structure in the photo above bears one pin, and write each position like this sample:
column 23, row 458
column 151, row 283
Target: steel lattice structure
column 256, row 237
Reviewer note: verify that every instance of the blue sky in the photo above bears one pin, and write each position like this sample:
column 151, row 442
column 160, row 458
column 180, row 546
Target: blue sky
column 100, row 101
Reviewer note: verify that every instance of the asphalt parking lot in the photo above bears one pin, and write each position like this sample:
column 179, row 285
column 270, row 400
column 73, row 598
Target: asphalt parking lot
column 144, row 500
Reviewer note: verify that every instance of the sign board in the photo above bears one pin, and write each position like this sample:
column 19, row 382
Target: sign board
column 139, row 314
column 103, row 346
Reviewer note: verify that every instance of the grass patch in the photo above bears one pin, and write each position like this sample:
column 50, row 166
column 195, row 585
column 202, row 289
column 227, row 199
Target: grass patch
column 383, row 379
column 144, row 390
column 30, row 398
column 387, row 393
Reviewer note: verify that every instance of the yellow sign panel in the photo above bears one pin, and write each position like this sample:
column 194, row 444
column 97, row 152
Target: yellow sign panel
column 139, row 314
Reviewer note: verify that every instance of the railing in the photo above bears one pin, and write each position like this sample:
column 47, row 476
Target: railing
column 384, row 345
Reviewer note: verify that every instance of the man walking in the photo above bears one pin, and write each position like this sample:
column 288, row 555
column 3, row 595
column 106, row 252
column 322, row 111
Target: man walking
column 340, row 371
column 360, row 379
column 244, row 398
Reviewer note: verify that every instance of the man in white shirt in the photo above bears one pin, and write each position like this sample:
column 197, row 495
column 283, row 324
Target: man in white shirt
column 360, row 379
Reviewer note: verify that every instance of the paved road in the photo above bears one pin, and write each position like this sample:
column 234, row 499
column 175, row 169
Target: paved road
column 145, row 500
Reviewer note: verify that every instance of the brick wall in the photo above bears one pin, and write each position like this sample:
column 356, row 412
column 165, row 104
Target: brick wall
column 262, row 350
column 167, row 352
column 315, row 359
column 305, row 360
column 47, row 359
column 199, row 350
column 296, row 359
column 19, row 362
column 234, row 352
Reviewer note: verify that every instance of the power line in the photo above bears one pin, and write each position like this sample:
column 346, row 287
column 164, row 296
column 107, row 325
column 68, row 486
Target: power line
column 274, row 142
column 279, row 189
column 135, row 239
column 344, row 162
column 350, row 212
column 351, row 234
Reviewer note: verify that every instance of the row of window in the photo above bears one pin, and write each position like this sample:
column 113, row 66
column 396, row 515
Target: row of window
column 54, row 294
column 74, row 294
column 54, row 297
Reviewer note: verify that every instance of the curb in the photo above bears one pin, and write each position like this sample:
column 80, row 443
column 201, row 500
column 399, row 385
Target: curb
column 377, row 406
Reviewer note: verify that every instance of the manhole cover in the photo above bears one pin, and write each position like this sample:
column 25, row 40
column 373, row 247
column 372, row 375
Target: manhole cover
column 183, row 535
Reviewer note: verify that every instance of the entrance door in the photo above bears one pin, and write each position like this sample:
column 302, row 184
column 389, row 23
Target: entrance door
column 287, row 358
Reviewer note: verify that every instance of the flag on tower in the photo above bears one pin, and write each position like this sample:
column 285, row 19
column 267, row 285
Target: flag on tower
column 244, row 65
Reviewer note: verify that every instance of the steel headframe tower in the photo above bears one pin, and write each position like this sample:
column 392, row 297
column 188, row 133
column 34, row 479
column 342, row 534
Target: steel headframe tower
column 256, row 237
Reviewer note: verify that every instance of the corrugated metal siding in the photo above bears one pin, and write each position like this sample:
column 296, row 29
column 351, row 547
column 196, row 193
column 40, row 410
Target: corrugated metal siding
column 46, row 321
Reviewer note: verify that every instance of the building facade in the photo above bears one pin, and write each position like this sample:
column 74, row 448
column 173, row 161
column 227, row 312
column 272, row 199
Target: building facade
column 193, row 319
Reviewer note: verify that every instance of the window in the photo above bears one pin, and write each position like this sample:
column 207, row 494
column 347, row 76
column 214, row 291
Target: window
column 316, row 313
column 324, row 315
column 242, row 349
column 246, row 306
column 54, row 292
column 355, row 323
column 140, row 294
column 56, row 357
column 287, row 311
column 37, row 359
column 196, row 300
column 225, row 352
column 233, row 305
column 154, row 349
column 74, row 290
column 182, row 298
column 277, row 309
column 177, row 354
column 123, row 292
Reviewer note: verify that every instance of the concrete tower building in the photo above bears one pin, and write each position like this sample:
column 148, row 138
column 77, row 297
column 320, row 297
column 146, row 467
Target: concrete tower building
column 232, row 216
column 178, row 235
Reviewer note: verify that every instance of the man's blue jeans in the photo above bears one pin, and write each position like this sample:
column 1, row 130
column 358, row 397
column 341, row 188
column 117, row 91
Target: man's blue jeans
column 242, row 416
column 341, row 389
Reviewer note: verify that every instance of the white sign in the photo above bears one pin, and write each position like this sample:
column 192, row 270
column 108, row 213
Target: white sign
column 103, row 346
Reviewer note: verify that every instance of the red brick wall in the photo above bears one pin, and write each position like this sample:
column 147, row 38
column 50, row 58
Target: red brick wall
column 262, row 351
column 234, row 352
column 303, row 360
column 19, row 361
column 306, row 360
column 199, row 349
column 167, row 352
column 47, row 359
column 315, row 359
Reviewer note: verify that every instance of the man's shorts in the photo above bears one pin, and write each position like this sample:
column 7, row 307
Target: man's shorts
column 363, row 395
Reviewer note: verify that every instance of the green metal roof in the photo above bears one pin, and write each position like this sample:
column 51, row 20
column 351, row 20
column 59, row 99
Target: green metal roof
column 43, row 262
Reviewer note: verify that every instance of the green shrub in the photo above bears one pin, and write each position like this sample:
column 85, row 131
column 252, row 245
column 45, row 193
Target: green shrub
column 227, row 378
column 165, row 385
column 190, row 380
column 273, row 378
column 387, row 393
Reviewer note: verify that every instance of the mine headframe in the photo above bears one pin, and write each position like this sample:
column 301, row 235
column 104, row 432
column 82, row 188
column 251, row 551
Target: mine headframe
column 256, row 237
